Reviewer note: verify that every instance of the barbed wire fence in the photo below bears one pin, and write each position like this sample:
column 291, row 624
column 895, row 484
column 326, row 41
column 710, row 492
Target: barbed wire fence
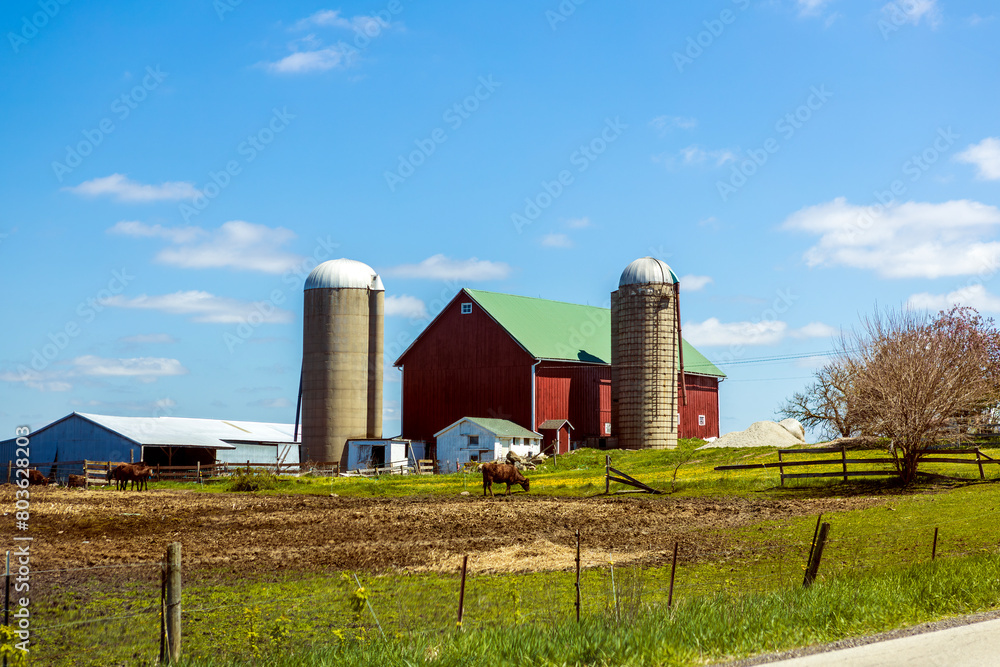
column 114, row 612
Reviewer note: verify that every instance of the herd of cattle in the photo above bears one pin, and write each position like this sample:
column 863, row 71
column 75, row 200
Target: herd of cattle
column 137, row 473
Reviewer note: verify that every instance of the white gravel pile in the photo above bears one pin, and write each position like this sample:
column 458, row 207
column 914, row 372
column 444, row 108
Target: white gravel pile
column 759, row 434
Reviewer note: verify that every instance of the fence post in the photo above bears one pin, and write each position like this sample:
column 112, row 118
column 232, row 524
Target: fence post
column 578, row 574
column 817, row 555
column 843, row 457
column 198, row 470
column 812, row 545
column 781, row 469
column 934, row 547
column 8, row 471
column 163, row 611
column 607, row 474
column 461, row 592
column 131, row 455
column 673, row 570
column 982, row 475
column 173, row 602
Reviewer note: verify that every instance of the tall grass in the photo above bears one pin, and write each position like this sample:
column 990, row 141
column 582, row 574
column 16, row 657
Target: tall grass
column 708, row 628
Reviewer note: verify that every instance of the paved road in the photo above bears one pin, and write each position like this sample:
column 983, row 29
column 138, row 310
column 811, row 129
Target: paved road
column 972, row 645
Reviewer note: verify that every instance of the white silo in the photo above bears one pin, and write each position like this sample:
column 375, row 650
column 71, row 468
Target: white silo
column 644, row 348
column 342, row 341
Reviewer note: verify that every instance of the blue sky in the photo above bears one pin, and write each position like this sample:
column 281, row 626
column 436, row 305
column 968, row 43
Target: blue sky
column 173, row 171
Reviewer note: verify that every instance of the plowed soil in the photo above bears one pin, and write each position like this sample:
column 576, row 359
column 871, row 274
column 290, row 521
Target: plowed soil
column 268, row 533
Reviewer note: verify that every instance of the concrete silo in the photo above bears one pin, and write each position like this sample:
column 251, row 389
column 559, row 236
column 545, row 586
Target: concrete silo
column 644, row 348
column 342, row 344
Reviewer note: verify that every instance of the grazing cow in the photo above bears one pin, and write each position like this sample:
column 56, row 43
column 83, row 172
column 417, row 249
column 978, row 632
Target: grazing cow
column 503, row 473
column 77, row 481
column 117, row 475
column 36, row 478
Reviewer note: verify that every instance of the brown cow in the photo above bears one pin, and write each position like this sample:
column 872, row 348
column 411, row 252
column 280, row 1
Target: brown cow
column 503, row 473
column 117, row 475
column 77, row 481
column 36, row 478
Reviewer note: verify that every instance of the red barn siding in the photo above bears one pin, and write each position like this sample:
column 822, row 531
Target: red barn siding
column 463, row 366
column 702, row 399
column 572, row 391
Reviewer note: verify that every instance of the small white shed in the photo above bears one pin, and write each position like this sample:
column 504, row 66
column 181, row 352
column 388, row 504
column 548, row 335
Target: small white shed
column 483, row 439
column 389, row 453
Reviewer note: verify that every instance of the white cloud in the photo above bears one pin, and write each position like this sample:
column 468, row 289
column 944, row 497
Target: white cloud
column 815, row 330
column 439, row 267
column 148, row 367
column 975, row 296
column 811, row 7
column 204, row 307
column 985, row 156
column 405, row 306
column 579, row 223
column 912, row 12
column 908, row 240
column 328, row 18
column 712, row 332
column 47, row 381
column 697, row 155
column 663, row 124
column 138, row 229
column 319, row 60
column 237, row 245
column 555, row 240
column 691, row 283
column 121, row 188
column 148, row 339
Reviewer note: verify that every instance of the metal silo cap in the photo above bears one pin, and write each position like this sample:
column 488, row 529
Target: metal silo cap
column 341, row 273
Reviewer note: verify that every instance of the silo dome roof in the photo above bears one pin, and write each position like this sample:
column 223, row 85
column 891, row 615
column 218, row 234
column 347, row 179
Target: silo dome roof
column 339, row 273
column 646, row 270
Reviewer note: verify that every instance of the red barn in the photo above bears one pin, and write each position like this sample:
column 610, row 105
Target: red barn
column 544, row 365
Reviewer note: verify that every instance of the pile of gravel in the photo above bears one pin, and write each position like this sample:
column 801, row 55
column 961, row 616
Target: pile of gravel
column 759, row 434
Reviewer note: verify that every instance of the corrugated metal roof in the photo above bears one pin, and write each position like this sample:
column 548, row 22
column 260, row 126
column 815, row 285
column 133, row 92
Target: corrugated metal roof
column 502, row 427
column 554, row 423
column 190, row 432
column 567, row 331
column 647, row 270
column 340, row 273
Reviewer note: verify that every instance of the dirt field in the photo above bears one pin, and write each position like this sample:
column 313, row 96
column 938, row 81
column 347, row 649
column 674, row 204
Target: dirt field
column 245, row 533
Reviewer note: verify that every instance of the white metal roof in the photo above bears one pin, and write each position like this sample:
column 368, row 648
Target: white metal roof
column 501, row 427
column 189, row 432
column 647, row 270
column 339, row 273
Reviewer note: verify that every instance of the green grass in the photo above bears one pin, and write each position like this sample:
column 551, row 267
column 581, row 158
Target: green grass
column 700, row 629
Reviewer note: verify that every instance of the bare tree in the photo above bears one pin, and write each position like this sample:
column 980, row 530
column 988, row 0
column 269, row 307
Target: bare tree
column 823, row 404
column 919, row 381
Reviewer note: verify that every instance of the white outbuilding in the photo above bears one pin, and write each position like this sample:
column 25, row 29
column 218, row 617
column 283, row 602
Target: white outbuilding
column 483, row 439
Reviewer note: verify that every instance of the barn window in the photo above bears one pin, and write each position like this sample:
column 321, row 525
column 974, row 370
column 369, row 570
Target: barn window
column 466, row 308
column 474, row 440
column 701, row 420
column 607, row 428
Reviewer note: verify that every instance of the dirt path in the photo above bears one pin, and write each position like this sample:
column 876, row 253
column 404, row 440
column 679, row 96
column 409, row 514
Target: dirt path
column 251, row 533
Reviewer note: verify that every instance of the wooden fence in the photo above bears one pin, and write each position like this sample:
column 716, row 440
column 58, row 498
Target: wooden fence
column 97, row 472
column 932, row 456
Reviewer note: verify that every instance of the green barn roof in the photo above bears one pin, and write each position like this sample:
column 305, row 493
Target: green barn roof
column 567, row 331
column 502, row 427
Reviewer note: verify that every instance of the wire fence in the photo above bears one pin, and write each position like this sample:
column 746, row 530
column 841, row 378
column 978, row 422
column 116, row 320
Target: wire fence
column 102, row 614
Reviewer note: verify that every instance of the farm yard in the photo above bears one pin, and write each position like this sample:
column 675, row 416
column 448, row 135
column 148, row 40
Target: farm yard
column 271, row 575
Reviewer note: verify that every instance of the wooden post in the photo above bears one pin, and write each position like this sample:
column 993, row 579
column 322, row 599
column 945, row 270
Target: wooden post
column 673, row 570
column 163, row 611
column 157, row 472
column 198, row 470
column 843, row 456
column 607, row 474
column 934, row 547
column 8, row 471
column 817, row 555
column 578, row 574
column 982, row 475
column 781, row 469
column 812, row 546
column 131, row 455
column 173, row 602
column 461, row 592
